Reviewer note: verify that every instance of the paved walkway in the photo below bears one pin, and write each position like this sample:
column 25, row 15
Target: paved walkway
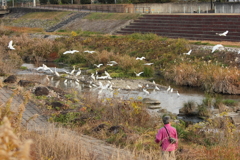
column 100, row 149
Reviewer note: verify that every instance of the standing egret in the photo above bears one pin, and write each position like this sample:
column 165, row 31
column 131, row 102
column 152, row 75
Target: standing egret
column 72, row 72
column 178, row 94
column 168, row 89
column 145, row 91
column 56, row 73
column 93, row 77
column 10, row 45
column 78, row 73
column 156, row 88
column 107, row 74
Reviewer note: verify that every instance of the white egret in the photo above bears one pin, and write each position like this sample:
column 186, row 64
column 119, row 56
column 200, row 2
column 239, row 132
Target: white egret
column 169, row 88
column 223, row 34
column 153, row 82
column 78, row 73
column 156, row 88
column 148, row 64
column 91, row 52
column 10, row 45
column 217, row 47
column 44, row 67
column 93, row 77
column 57, row 83
column 110, row 64
column 71, row 51
column 72, row 72
column 107, row 74
column 140, row 86
column 98, row 66
column 128, row 87
column 239, row 52
column 113, row 62
column 56, row 73
column 138, row 74
column 145, row 91
column 178, row 94
column 188, row 53
column 142, row 58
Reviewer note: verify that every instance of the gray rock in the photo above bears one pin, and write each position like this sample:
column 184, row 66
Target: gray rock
column 11, row 79
column 235, row 120
column 154, row 107
column 25, row 83
column 41, row 91
column 57, row 105
column 150, row 101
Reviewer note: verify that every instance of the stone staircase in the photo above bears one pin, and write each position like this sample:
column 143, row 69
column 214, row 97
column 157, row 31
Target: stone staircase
column 193, row 27
column 62, row 23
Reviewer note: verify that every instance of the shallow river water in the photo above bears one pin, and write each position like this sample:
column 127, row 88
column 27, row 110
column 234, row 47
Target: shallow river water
column 169, row 101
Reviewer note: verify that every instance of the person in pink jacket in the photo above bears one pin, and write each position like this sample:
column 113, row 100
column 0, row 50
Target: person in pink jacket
column 162, row 137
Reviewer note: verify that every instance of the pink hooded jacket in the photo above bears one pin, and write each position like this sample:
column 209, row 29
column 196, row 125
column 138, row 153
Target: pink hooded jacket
column 162, row 137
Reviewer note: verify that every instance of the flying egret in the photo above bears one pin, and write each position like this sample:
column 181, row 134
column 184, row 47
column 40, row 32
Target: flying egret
column 138, row 74
column 110, row 64
column 113, row 62
column 98, row 66
column 188, row 53
column 145, row 91
column 142, row 58
column 78, row 73
column 148, row 64
column 217, row 47
column 91, row 52
column 44, row 67
column 223, row 34
column 10, row 45
column 71, row 51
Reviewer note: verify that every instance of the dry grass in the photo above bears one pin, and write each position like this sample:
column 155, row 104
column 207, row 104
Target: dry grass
column 112, row 16
column 45, row 15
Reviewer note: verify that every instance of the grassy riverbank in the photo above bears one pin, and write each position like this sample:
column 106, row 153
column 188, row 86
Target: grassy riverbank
column 126, row 123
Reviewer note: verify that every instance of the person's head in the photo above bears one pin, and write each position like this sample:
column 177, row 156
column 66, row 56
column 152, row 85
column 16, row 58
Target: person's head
column 166, row 119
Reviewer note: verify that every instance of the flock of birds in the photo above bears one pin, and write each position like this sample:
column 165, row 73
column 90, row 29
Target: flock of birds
column 72, row 76
column 216, row 47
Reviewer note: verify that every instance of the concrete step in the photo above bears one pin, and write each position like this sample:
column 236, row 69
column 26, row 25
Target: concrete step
column 197, row 27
